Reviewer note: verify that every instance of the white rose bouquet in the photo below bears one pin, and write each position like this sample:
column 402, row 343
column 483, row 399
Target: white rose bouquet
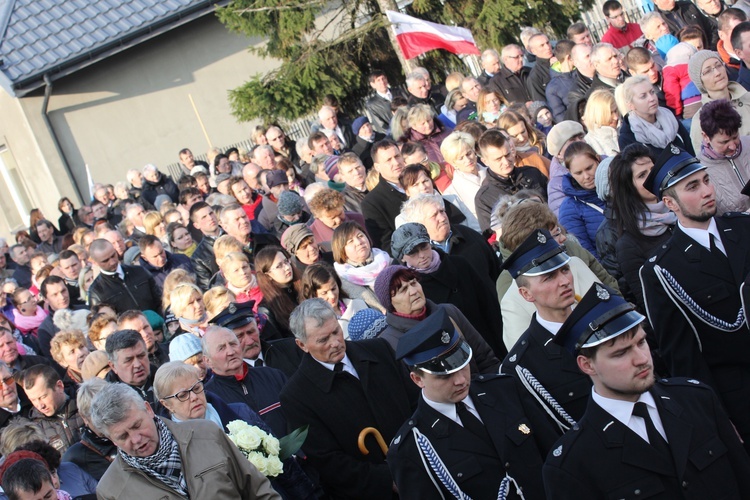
column 260, row 448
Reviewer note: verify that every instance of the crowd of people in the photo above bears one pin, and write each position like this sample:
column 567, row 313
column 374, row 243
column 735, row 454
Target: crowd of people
column 525, row 284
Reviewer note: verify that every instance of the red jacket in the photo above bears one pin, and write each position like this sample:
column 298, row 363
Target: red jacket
column 619, row 38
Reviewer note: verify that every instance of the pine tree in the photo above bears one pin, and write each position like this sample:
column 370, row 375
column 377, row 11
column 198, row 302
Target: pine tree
column 328, row 48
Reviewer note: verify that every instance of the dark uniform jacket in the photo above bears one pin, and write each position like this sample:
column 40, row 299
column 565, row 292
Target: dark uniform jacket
column 510, row 85
column 137, row 291
column 602, row 458
column 494, row 186
column 259, row 390
column 535, row 358
column 519, row 436
column 338, row 407
column 685, row 285
column 380, row 208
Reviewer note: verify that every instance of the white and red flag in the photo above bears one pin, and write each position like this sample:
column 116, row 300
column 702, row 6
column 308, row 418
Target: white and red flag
column 417, row 36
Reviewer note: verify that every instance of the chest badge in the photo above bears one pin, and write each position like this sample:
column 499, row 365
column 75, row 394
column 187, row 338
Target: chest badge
column 524, row 429
column 558, row 451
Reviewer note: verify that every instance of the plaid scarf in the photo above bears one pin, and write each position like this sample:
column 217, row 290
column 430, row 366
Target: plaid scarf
column 165, row 464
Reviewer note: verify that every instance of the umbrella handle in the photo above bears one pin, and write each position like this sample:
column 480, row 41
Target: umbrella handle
column 378, row 437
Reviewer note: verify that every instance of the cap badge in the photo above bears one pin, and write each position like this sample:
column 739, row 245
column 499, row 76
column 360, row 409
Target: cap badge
column 674, row 149
column 524, row 429
column 602, row 293
column 541, row 238
column 512, row 359
column 232, row 308
column 558, row 451
column 445, row 337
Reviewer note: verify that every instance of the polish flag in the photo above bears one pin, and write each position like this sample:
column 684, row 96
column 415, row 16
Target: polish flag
column 417, row 36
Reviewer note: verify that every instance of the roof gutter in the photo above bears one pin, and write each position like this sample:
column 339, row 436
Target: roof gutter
column 55, row 139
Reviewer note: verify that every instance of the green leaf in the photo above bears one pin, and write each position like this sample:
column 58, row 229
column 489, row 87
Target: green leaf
column 292, row 442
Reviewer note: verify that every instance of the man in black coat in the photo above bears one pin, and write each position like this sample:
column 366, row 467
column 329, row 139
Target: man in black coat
column 340, row 389
column 476, row 428
column 12, row 408
column 639, row 438
column 204, row 219
column 129, row 360
column 540, row 74
column 503, row 177
column 378, row 106
column 680, row 14
column 547, row 371
column 365, row 138
column 156, row 183
column 691, row 286
column 120, row 285
column 158, row 261
column 510, row 81
column 604, row 66
column 381, row 205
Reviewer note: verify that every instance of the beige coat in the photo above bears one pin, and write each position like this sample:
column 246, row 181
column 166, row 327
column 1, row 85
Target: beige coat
column 740, row 99
column 213, row 466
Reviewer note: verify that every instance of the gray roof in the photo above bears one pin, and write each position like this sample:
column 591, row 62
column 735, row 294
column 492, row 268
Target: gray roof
column 59, row 37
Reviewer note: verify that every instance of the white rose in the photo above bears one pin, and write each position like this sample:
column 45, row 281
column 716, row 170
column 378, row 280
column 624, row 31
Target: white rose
column 248, row 439
column 275, row 467
column 235, row 426
column 271, row 444
column 259, row 461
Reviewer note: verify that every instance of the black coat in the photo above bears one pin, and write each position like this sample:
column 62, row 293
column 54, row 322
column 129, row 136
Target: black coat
column 379, row 111
column 67, row 223
column 456, row 282
column 337, row 408
column 686, row 13
column 362, row 148
column 632, row 252
column 602, row 458
column 353, row 198
column 691, row 347
column 204, row 262
column 494, row 186
column 469, row 244
column 259, row 390
column 138, row 291
column 380, row 208
column 682, row 139
column 477, row 466
column 92, row 453
column 510, row 85
column 282, row 354
column 165, row 185
column 538, row 79
column 174, row 261
column 553, row 367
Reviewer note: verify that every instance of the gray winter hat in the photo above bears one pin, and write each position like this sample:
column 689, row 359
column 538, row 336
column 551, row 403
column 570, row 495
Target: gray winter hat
column 695, row 65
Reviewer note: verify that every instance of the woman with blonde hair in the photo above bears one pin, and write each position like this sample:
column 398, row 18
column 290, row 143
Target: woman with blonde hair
column 645, row 122
column 426, row 129
column 153, row 222
column 188, row 307
column 601, row 118
column 529, row 142
column 240, row 278
column 68, row 349
column 489, row 106
column 217, row 299
column 468, row 174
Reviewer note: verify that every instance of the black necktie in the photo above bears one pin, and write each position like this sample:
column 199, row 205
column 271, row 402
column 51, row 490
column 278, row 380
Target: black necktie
column 258, row 362
column 470, row 422
column 657, row 441
column 338, row 367
column 714, row 249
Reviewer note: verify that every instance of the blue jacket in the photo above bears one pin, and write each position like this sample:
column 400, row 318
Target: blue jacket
column 174, row 261
column 557, row 93
column 578, row 215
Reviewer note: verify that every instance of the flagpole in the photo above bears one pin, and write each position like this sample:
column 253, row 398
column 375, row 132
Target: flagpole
column 406, row 66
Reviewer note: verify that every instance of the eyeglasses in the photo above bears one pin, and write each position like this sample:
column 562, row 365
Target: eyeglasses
column 281, row 265
column 183, row 396
column 713, row 69
column 8, row 381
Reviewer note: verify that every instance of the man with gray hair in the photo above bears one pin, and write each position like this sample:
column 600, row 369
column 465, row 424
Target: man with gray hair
column 134, row 213
column 234, row 381
column 264, row 156
column 418, row 90
column 128, row 358
column 234, row 222
column 608, row 74
column 156, row 183
column 510, row 81
column 159, row 458
column 330, row 126
column 339, row 389
column 490, row 66
column 11, row 406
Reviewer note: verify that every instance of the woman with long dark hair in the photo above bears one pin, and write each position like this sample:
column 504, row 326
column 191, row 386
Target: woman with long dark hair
column 68, row 215
column 320, row 281
column 642, row 222
column 279, row 281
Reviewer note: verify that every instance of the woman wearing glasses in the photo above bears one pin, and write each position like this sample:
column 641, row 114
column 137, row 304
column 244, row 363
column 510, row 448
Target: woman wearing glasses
column 645, row 122
column 180, row 390
column 279, row 281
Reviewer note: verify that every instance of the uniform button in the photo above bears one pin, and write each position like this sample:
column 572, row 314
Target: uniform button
column 570, row 394
column 708, row 297
column 411, row 422
column 637, row 492
column 685, row 484
column 739, row 104
column 455, row 290
column 523, row 342
column 710, row 453
column 460, row 474
column 507, row 465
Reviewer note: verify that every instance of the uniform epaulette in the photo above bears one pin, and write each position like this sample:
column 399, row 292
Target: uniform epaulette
column 683, row 381
column 734, row 215
column 515, row 353
column 558, row 452
column 659, row 252
column 404, row 432
column 487, row 377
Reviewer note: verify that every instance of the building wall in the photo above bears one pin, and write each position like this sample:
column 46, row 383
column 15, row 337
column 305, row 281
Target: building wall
column 132, row 109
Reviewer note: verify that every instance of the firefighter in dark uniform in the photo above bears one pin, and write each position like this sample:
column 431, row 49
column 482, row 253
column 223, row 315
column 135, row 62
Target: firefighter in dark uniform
column 542, row 368
column 692, row 286
column 474, row 438
column 639, row 438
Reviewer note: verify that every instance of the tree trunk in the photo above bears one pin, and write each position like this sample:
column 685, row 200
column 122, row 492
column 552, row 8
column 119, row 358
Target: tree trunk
column 406, row 66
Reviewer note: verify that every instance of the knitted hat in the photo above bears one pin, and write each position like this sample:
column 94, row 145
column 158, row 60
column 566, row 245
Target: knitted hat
column 357, row 124
column 383, row 283
column 184, row 346
column 294, row 236
column 290, row 203
column 695, row 66
column 154, row 319
column 276, row 178
column 331, row 166
column 535, row 107
column 406, row 238
column 93, row 364
column 562, row 133
column 366, row 324
column 161, row 199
